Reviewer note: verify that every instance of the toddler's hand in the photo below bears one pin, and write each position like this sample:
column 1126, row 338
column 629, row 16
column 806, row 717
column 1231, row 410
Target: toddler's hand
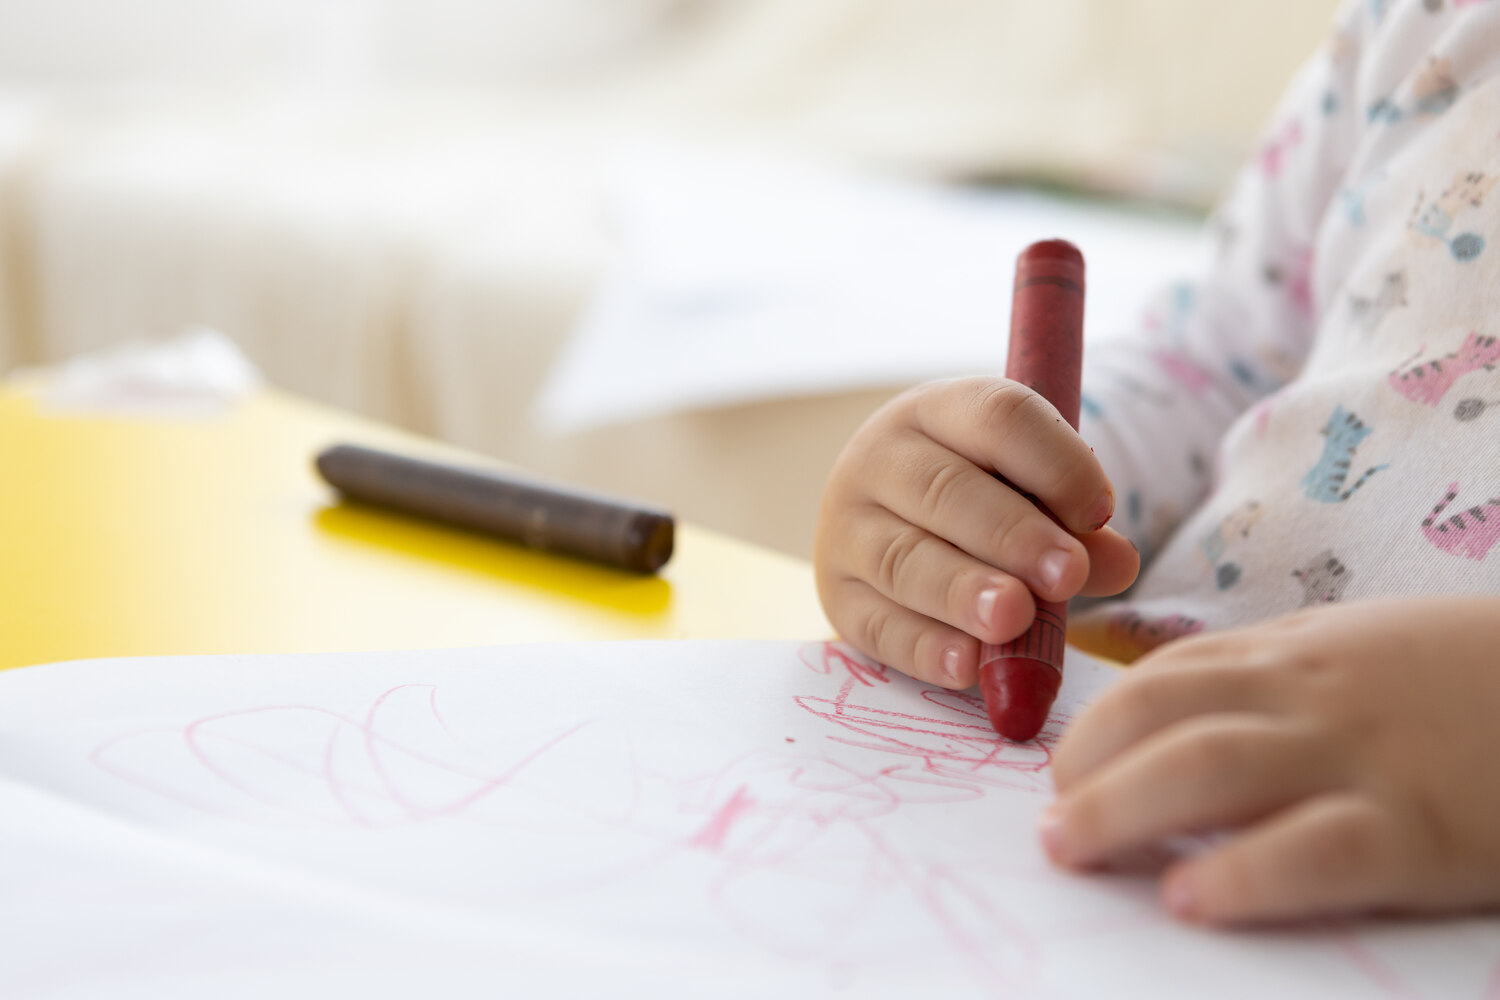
column 922, row 552
column 1351, row 748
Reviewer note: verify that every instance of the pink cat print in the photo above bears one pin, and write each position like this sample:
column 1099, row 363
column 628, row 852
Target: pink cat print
column 1470, row 533
column 1428, row 382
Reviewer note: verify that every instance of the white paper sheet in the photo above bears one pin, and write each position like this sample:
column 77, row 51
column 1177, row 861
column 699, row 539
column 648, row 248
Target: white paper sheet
column 741, row 277
column 200, row 373
column 655, row 819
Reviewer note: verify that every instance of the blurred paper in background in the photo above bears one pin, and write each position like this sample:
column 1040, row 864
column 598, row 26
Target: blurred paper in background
column 741, row 277
column 408, row 208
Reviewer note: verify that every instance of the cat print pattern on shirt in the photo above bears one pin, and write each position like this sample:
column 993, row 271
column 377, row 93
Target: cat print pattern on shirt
column 1278, row 146
column 1328, row 481
column 1132, row 634
column 1293, row 276
column 1427, row 382
column 1230, row 532
column 1432, row 222
column 1370, row 311
column 1356, row 236
column 1470, row 533
column 1323, row 579
column 1433, row 91
column 1473, row 407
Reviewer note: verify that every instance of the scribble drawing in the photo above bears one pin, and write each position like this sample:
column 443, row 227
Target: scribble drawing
column 1380, row 975
column 863, row 844
column 307, row 765
column 813, row 823
column 955, row 746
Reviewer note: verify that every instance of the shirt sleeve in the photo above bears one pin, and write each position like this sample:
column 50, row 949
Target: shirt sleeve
column 1159, row 398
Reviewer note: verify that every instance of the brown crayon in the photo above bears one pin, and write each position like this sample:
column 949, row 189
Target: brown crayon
column 537, row 515
column 1020, row 679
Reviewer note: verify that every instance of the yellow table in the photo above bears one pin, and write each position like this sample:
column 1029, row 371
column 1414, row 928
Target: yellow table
column 136, row 536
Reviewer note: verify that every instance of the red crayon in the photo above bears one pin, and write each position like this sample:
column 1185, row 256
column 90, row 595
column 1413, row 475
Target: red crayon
column 1020, row 678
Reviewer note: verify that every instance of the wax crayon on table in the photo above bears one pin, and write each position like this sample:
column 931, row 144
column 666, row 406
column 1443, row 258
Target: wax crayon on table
column 541, row 516
column 1019, row 679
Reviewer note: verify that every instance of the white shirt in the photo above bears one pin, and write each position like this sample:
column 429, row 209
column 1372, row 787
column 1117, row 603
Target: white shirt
column 1317, row 418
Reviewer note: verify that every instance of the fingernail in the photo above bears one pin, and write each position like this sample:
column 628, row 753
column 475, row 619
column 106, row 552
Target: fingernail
column 1102, row 510
column 1049, row 831
column 951, row 656
column 1052, row 567
column 1178, row 895
column 985, row 605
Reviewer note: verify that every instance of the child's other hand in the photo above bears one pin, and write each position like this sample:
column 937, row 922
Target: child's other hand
column 1352, row 748
column 921, row 552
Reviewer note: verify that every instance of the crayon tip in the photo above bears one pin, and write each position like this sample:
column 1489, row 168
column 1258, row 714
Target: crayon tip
column 1058, row 250
column 1018, row 694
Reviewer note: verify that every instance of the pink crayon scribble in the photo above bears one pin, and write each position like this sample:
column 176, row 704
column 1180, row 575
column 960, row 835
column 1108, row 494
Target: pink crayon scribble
column 818, row 823
column 1380, row 975
column 711, row 837
column 829, row 658
column 314, row 765
column 953, row 746
column 816, row 814
column 874, row 837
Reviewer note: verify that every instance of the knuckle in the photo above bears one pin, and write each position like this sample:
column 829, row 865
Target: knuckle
column 1086, row 821
column 1214, row 755
column 956, row 590
column 999, row 403
column 1133, row 698
column 901, row 408
column 923, row 655
column 846, row 601
column 1232, row 882
column 881, row 630
column 939, row 482
column 1079, row 481
column 1430, row 836
column 1317, row 678
column 1352, row 848
column 1006, row 534
column 1010, row 410
column 897, row 557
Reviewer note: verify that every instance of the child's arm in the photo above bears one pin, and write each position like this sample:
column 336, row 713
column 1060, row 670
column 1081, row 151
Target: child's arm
column 1159, row 402
column 1351, row 749
column 920, row 553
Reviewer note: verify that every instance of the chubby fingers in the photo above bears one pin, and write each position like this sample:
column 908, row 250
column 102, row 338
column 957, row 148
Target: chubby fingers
column 916, row 602
column 1209, row 772
column 1113, row 562
column 913, row 643
column 1331, row 854
column 1003, row 427
column 946, row 493
column 922, row 550
column 935, row 578
column 1155, row 694
column 888, row 557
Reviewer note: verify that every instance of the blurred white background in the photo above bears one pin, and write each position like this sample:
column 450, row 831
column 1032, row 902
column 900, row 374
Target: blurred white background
column 408, row 208
column 328, row 43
